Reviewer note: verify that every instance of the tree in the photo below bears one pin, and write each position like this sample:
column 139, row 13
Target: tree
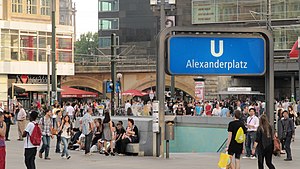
column 87, row 44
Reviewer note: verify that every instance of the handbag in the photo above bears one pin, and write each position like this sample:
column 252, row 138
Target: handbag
column 54, row 131
column 224, row 160
column 277, row 147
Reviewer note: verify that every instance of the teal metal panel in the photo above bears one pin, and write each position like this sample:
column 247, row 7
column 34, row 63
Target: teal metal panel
column 196, row 139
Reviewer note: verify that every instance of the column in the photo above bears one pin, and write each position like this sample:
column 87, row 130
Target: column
column 292, row 88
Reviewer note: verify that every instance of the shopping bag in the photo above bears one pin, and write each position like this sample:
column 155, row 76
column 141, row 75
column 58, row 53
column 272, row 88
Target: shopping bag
column 224, row 160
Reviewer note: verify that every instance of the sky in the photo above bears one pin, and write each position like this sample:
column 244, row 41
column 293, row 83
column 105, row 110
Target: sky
column 86, row 16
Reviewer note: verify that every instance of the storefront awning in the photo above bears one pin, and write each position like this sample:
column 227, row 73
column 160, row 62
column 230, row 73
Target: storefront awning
column 34, row 87
column 68, row 92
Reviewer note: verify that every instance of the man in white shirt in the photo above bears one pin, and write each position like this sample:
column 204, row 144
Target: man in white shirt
column 21, row 118
column 252, row 125
column 30, row 149
column 127, row 105
column 70, row 111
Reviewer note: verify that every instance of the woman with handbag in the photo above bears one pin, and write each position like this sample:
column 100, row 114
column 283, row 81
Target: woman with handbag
column 66, row 133
column 264, row 143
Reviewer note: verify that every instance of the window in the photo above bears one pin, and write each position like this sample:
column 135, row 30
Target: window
column 9, row 44
column 45, row 7
column 28, row 44
column 105, row 42
column 16, row 6
column 31, row 6
column 109, row 24
column 64, row 48
column 108, row 5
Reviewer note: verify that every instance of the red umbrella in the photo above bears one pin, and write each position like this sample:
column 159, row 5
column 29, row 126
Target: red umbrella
column 133, row 92
column 294, row 52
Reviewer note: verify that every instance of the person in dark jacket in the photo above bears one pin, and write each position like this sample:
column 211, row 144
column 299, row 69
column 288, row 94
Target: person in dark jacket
column 280, row 130
column 263, row 145
column 288, row 132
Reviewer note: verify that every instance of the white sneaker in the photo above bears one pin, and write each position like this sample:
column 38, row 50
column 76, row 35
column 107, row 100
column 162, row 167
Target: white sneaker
column 253, row 158
column 245, row 157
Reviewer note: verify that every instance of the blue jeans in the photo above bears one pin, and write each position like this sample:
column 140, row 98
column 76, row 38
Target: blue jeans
column 46, row 145
column 66, row 143
column 250, row 142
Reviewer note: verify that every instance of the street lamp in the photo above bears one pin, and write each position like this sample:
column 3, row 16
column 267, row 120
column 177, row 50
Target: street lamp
column 119, row 77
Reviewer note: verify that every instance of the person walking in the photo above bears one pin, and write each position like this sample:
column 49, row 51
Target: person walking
column 2, row 141
column 8, row 122
column 30, row 149
column 21, row 122
column 108, row 133
column 288, row 132
column 58, row 125
column 252, row 125
column 263, row 144
column 87, row 125
column 66, row 132
column 233, row 147
column 46, row 127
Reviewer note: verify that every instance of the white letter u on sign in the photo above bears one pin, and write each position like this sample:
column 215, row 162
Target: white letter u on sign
column 213, row 49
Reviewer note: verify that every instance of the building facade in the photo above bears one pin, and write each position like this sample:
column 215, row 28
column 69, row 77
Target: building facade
column 25, row 41
column 134, row 22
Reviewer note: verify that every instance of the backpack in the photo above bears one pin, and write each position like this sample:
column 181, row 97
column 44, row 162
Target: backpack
column 36, row 135
column 240, row 136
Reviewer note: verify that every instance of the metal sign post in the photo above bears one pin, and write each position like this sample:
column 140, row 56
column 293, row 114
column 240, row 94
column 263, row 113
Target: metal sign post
column 205, row 49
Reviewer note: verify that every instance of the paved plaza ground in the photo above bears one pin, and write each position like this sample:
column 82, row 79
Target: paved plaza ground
column 15, row 159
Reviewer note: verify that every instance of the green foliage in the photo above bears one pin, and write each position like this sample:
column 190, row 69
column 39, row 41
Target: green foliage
column 87, row 44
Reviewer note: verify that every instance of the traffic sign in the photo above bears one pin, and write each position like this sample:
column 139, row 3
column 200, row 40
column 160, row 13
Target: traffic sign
column 194, row 55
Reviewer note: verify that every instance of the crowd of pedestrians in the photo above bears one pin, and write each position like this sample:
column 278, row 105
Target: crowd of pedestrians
column 260, row 135
column 74, row 127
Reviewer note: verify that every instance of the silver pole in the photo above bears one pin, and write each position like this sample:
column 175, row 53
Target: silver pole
column 48, row 76
column 160, row 83
column 54, row 76
column 269, row 77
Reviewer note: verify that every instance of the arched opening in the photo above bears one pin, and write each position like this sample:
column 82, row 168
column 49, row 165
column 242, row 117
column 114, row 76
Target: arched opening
column 179, row 94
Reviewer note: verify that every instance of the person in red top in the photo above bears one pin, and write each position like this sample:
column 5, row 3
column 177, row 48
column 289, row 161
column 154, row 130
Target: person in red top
column 207, row 108
column 2, row 141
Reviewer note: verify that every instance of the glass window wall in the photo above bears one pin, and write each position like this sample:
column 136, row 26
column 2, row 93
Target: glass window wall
column 206, row 11
column 32, row 46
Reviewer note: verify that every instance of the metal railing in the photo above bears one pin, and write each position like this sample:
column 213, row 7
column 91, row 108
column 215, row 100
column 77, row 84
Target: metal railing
column 101, row 63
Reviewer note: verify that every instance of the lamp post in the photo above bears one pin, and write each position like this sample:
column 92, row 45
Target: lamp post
column 54, row 76
column 161, row 6
column 119, row 77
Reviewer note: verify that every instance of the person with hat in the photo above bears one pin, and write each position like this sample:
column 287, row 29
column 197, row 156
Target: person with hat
column 131, row 136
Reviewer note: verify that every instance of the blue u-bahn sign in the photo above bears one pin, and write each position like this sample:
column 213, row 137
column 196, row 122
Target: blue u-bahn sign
column 193, row 55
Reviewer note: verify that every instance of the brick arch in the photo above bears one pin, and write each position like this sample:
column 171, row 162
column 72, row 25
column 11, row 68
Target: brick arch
column 84, row 81
column 146, row 83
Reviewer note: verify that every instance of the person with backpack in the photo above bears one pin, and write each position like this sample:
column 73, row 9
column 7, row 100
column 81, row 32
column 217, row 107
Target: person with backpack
column 236, row 138
column 33, row 136
column 252, row 125
column 263, row 144
column 46, row 126
column 66, row 133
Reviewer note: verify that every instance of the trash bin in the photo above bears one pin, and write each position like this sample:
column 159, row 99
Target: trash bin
column 169, row 130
